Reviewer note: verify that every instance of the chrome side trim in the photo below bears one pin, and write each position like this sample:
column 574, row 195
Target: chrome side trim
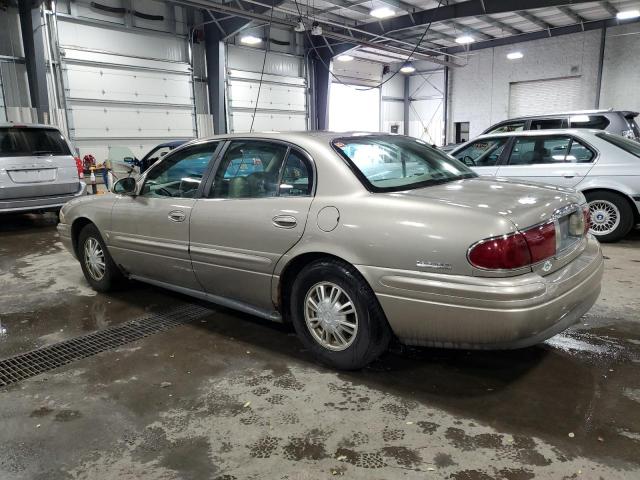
column 222, row 301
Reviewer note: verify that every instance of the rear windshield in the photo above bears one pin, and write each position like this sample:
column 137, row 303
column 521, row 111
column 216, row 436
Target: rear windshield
column 394, row 163
column 625, row 144
column 26, row 142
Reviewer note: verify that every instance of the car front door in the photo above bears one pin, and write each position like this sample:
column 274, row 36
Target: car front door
column 483, row 154
column 554, row 159
column 253, row 211
column 149, row 234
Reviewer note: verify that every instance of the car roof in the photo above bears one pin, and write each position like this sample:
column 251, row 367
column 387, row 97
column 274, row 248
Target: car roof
column 572, row 112
column 536, row 133
column 27, row 125
column 320, row 136
column 172, row 144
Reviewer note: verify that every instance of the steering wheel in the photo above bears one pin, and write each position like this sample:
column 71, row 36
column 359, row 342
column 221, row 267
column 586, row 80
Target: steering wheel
column 165, row 192
column 467, row 159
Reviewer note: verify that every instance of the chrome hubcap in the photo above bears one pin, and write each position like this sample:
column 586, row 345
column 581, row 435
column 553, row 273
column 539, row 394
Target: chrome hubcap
column 605, row 217
column 330, row 316
column 94, row 258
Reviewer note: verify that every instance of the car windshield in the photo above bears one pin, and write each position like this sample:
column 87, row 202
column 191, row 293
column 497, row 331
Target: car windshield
column 394, row 163
column 26, row 142
column 625, row 144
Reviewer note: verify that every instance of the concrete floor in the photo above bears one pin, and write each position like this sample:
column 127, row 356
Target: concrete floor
column 244, row 400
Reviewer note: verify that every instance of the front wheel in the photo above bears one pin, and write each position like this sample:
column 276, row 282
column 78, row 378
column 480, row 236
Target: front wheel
column 337, row 316
column 97, row 265
column 611, row 216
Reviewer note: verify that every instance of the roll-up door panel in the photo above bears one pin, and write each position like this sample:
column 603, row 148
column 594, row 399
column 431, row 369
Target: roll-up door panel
column 540, row 97
column 128, row 85
column 243, row 94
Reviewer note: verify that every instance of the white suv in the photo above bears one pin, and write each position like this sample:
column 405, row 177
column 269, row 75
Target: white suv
column 38, row 171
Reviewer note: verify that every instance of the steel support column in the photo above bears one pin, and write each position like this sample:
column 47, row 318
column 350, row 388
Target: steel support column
column 603, row 41
column 215, row 58
column 35, row 56
column 406, row 104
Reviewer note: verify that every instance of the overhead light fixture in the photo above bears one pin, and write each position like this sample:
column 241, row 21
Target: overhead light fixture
column 250, row 40
column 628, row 14
column 408, row 68
column 382, row 12
column 464, row 39
column 300, row 26
column 316, row 29
column 344, row 58
column 514, row 55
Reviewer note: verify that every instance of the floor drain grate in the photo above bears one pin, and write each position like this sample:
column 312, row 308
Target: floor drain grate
column 35, row 362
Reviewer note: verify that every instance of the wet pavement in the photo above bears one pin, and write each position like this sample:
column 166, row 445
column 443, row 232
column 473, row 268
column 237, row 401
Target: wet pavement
column 234, row 397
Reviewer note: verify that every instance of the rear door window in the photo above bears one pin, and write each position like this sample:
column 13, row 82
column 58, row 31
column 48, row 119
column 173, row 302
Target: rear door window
column 27, row 142
column 538, row 150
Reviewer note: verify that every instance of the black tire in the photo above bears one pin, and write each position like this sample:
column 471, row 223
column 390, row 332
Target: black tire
column 112, row 276
column 625, row 223
column 373, row 333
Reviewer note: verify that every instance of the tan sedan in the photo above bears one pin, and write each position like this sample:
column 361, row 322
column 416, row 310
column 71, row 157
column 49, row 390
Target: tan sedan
column 352, row 238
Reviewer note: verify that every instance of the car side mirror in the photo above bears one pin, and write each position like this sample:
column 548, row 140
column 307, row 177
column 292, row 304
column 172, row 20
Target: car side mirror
column 125, row 186
column 129, row 160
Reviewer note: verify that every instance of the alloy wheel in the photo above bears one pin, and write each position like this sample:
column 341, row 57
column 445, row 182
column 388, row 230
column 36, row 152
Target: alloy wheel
column 330, row 316
column 605, row 217
column 94, row 259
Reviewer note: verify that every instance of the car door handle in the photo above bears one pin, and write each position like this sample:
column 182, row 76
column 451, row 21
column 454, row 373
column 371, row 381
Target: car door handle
column 284, row 221
column 177, row 216
column 569, row 174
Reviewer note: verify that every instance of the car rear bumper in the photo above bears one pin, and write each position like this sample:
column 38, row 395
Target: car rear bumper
column 40, row 203
column 487, row 313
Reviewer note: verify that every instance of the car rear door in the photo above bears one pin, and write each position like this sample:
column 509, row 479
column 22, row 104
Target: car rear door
column 35, row 162
column 252, row 212
column 149, row 234
column 562, row 160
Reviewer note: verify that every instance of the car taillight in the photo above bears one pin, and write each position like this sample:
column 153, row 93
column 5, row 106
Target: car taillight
column 586, row 214
column 541, row 241
column 501, row 253
column 515, row 250
column 80, row 167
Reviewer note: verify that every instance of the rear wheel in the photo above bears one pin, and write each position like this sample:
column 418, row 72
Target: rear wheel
column 337, row 316
column 97, row 265
column 611, row 215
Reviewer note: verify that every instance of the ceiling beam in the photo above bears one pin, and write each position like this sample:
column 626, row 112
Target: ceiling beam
column 462, row 28
column 527, row 37
column 611, row 10
column 571, row 14
column 468, row 8
column 498, row 24
column 535, row 20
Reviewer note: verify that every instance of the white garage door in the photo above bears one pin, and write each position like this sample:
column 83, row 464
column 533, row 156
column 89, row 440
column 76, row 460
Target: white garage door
column 282, row 104
column 544, row 96
column 125, row 89
column 353, row 108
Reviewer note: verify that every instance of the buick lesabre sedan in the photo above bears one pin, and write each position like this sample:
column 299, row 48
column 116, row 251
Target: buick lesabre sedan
column 352, row 238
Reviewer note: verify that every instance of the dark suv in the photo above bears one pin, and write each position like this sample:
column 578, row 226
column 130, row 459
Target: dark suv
column 620, row 122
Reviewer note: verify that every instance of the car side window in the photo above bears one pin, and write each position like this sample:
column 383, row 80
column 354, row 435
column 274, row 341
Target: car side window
column 179, row 175
column 482, row 153
column 297, row 176
column 539, row 150
column 579, row 153
column 249, row 169
column 598, row 122
column 548, row 123
column 508, row 127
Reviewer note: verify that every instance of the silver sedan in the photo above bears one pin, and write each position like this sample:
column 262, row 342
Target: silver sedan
column 352, row 238
column 603, row 166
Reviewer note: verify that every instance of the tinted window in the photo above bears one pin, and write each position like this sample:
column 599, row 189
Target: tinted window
column 297, row 177
column 579, row 153
column 179, row 175
column 507, row 127
column 482, row 153
column 539, row 150
column 388, row 163
column 625, row 144
column 546, row 124
column 249, row 169
column 599, row 122
column 21, row 142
